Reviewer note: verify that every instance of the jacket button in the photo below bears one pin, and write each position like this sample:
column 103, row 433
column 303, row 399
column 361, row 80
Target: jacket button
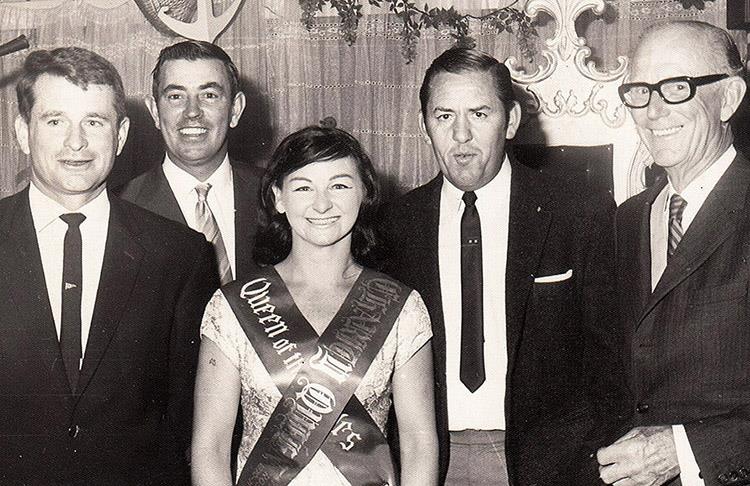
column 73, row 431
column 642, row 408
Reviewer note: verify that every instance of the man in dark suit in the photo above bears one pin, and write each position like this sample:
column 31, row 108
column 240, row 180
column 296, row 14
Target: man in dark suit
column 683, row 248
column 516, row 276
column 100, row 300
column 196, row 99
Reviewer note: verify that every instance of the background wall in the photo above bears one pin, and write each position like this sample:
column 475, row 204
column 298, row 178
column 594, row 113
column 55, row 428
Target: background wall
column 294, row 77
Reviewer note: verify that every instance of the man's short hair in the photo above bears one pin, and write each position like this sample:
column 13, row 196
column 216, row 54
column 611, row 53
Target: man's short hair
column 192, row 50
column 721, row 51
column 459, row 60
column 77, row 65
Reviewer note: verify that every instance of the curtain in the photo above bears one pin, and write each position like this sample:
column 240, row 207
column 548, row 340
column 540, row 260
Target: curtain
column 293, row 77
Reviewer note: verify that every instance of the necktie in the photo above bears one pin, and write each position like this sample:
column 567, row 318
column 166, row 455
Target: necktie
column 206, row 224
column 676, row 207
column 472, row 332
column 70, row 321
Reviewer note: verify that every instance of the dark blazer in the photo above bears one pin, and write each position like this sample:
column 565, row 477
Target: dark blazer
column 559, row 335
column 688, row 341
column 130, row 421
column 151, row 191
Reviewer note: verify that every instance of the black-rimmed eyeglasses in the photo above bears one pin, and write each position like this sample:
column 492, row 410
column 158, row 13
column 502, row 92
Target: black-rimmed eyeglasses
column 672, row 90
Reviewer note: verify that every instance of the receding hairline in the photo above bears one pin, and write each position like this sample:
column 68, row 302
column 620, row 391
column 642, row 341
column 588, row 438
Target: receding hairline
column 692, row 35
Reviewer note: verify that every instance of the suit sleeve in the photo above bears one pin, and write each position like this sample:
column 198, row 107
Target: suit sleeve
column 721, row 446
column 604, row 344
column 199, row 285
column 607, row 389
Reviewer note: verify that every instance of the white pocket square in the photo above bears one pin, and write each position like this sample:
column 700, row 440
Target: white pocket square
column 560, row 277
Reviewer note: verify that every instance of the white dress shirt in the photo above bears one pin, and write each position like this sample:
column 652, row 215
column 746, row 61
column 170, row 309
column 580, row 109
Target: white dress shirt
column 695, row 194
column 485, row 408
column 50, row 233
column 220, row 199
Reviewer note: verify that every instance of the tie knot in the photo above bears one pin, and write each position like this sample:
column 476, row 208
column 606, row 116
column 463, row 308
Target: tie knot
column 676, row 206
column 469, row 198
column 202, row 190
column 73, row 220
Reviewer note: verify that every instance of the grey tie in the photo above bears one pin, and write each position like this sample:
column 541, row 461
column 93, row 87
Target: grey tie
column 206, row 224
column 676, row 207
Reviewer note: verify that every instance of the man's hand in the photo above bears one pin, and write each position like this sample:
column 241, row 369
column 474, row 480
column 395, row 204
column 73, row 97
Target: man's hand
column 645, row 456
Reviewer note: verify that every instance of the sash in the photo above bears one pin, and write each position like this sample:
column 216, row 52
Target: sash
column 318, row 377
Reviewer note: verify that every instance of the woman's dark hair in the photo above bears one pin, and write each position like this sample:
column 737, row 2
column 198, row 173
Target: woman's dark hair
column 315, row 144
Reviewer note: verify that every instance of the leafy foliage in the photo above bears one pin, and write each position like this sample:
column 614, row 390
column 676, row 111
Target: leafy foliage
column 416, row 19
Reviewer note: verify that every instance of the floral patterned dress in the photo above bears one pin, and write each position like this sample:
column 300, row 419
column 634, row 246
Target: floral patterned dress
column 259, row 394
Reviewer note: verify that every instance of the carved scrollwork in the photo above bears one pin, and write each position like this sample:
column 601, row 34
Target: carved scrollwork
column 567, row 56
column 205, row 27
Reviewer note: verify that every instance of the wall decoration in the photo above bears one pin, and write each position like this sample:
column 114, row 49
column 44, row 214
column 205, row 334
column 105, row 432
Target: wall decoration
column 416, row 19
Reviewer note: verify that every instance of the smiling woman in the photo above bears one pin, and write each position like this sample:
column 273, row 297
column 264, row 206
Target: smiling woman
column 315, row 346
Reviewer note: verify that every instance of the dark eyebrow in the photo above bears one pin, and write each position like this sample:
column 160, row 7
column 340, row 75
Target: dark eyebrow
column 450, row 110
column 50, row 114
column 341, row 176
column 179, row 87
column 94, row 114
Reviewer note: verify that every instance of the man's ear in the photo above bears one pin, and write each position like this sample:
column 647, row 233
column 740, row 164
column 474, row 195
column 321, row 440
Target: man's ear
column 423, row 129
column 278, row 203
column 514, row 120
column 238, row 106
column 22, row 134
column 734, row 91
column 153, row 108
column 122, row 133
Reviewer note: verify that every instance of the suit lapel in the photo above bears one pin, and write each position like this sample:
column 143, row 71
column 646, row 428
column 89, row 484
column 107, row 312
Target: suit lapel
column 642, row 244
column 426, row 226
column 530, row 219
column 27, row 287
column 122, row 260
column 718, row 218
column 156, row 195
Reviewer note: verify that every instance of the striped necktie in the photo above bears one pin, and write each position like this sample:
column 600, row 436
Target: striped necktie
column 206, row 224
column 676, row 207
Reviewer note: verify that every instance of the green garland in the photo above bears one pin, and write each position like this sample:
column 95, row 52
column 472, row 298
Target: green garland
column 416, row 19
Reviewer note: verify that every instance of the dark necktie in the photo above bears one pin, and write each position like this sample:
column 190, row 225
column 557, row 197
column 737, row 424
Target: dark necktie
column 472, row 332
column 70, row 328
column 207, row 225
column 676, row 207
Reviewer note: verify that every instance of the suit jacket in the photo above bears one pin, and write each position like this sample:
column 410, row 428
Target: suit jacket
column 559, row 335
column 130, row 420
column 151, row 191
column 688, row 341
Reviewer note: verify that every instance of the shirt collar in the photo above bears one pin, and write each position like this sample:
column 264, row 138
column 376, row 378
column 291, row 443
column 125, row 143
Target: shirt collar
column 45, row 210
column 498, row 186
column 184, row 183
column 699, row 188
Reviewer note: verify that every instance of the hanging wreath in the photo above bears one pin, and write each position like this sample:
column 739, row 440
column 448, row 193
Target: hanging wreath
column 416, row 19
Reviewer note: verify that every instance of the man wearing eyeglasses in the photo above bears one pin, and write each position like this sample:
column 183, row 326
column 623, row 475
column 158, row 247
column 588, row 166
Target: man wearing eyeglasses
column 683, row 256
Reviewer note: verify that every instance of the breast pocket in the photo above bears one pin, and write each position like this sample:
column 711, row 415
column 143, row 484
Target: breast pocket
column 553, row 285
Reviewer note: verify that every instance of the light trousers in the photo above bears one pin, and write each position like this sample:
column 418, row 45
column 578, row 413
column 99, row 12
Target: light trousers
column 477, row 459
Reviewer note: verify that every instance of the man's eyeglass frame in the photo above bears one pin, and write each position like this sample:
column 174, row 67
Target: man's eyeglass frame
column 692, row 82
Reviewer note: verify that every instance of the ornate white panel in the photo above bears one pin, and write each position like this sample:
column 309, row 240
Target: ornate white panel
column 571, row 102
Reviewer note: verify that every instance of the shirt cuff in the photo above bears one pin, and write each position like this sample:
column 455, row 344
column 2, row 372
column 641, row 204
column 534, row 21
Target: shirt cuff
column 689, row 470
